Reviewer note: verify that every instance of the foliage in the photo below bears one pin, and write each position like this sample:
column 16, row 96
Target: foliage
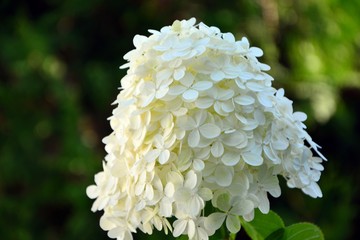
column 271, row 227
column 58, row 76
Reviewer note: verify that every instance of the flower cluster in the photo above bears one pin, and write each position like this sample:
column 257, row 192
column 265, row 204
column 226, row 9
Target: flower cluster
column 198, row 124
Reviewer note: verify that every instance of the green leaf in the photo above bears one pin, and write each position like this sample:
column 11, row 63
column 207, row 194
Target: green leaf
column 276, row 235
column 302, row 231
column 263, row 225
column 271, row 227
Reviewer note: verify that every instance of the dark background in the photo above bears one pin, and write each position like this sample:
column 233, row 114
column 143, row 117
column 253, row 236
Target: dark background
column 59, row 74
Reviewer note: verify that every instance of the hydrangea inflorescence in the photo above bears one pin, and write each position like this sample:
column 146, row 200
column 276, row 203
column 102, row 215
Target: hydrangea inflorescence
column 198, row 123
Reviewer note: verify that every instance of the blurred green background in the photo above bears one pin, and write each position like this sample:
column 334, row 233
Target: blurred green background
column 59, row 74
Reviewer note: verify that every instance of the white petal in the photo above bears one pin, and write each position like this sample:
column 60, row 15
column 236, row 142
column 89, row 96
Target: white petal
column 244, row 76
column 255, row 86
column 106, row 224
column 168, row 56
column 198, row 165
column 202, row 85
column 265, row 99
column 259, row 117
column 299, row 116
column 241, row 118
column 271, row 155
column 225, row 94
column 256, row 52
column 244, row 207
column 165, row 207
column 275, row 192
column 139, row 188
column 233, row 223
column 228, row 106
column 152, row 155
column 223, row 176
column 182, row 195
column 191, row 180
column 210, row 131
column 140, row 205
column 179, row 227
column 179, row 73
column 251, row 124
column 252, row 159
column 116, row 232
column 237, row 138
column 214, row 221
column 200, row 117
column 313, row 190
column 264, row 205
column 177, row 90
column 203, row 234
column 149, row 191
column 180, row 112
column 191, row 229
column 165, row 45
column 217, row 149
column 279, row 144
column 223, row 201
column 160, row 93
column 217, row 108
column 280, row 93
column 187, row 80
column 146, row 101
column 190, row 95
column 138, row 40
column 163, row 75
column 228, row 37
column 203, row 153
column 195, row 205
column 100, row 203
column 217, row 76
column 92, row 191
column 205, row 194
column 187, row 123
column 239, row 83
column 244, row 100
column 230, row 158
column 204, row 103
column 194, row 138
column 126, row 65
column 245, row 42
column 240, row 185
column 169, row 189
column 249, row 217
column 264, row 67
column 164, row 156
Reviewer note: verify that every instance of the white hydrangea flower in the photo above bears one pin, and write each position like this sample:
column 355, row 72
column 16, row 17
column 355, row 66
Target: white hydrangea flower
column 198, row 122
